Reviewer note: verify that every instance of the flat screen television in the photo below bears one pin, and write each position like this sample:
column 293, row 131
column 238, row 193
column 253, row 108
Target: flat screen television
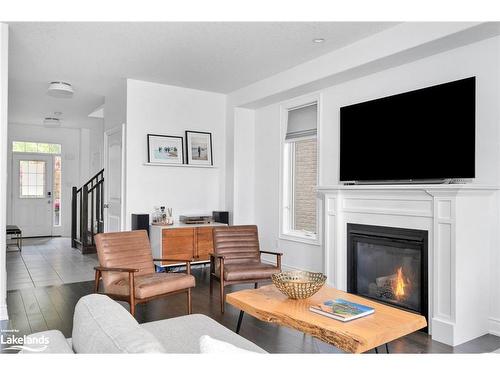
column 426, row 134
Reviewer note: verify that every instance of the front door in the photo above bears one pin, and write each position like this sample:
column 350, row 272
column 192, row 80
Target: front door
column 32, row 193
column 113, row 177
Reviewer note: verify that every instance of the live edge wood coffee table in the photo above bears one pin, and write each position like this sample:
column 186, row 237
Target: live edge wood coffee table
column 357, row 336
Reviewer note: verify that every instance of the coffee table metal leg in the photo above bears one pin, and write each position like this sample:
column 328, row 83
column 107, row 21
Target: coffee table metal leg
column 240, row 318
column 386, row 348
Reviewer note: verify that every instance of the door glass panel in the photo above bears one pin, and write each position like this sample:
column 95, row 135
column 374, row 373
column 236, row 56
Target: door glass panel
column 32, row 179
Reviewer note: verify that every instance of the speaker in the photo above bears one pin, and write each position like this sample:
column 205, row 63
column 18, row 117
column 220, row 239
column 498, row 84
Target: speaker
column 221, row 217
column 140, row 221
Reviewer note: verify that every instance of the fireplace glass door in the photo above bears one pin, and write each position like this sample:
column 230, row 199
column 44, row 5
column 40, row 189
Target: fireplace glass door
column 389, row 272
column 388, row 265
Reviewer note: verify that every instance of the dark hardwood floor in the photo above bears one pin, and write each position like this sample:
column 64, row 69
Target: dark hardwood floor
column 39, row 309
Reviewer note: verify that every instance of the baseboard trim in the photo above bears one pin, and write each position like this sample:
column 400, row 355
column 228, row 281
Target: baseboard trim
column 443, row 331
column 494, row 326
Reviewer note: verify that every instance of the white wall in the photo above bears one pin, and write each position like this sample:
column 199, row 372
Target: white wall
column 91, row 152
column 115, row 105
column 244, row 166
column 69, row 138
column 162, row 109
column 4, row 54
column 480, row 59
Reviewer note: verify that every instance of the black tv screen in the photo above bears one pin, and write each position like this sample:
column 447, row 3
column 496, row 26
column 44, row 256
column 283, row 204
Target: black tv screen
column 426, row 134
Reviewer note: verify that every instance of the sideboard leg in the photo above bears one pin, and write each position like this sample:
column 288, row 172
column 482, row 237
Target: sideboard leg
column 240, row 318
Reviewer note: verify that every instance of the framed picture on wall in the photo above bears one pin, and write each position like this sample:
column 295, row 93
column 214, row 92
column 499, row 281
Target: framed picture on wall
column 165, row 149
column 199, row 148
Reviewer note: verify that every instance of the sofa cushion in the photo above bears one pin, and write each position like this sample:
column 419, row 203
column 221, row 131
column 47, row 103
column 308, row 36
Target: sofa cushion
column 100, row 325
column 182, row 334
column 152, row 284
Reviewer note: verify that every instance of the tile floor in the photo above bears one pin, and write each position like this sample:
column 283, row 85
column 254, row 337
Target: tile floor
column 47, row 261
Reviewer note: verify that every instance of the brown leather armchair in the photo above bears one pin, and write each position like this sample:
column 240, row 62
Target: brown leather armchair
column 128, row 272
column 236, row 258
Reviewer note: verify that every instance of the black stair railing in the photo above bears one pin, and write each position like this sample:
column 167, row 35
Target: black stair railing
column 87, row 208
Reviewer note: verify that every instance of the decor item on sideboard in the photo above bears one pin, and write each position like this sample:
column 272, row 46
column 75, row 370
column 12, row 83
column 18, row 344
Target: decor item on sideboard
column 165, row 149
column 162, row 216
column 298, row 284
column 199, row 148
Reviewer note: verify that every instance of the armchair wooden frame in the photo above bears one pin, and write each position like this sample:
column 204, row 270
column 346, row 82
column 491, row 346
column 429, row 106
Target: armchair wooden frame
column 131, row 299
column 220, row 276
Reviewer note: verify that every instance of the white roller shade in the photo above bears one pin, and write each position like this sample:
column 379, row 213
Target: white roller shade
column 302, row 121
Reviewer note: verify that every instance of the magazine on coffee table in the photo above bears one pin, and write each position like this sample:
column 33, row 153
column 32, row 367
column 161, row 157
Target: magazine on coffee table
column 342, row 310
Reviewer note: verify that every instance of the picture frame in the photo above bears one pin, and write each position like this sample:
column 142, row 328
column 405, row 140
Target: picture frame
column 199, row 148
column 165, row 149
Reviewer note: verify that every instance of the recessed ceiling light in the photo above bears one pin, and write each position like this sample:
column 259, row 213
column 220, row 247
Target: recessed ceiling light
column 60, row 89
column 318, row 40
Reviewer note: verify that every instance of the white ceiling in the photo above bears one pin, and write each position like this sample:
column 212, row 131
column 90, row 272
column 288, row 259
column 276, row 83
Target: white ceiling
column 219, row 57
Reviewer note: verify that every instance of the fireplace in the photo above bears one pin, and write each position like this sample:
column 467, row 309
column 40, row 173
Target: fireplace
column 388, row 265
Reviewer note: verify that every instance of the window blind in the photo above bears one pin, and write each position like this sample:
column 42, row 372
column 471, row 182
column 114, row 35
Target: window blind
column 302, row 121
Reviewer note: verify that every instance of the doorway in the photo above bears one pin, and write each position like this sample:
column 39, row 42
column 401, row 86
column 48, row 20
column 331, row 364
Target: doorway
column 36, row 188
column 114, row 186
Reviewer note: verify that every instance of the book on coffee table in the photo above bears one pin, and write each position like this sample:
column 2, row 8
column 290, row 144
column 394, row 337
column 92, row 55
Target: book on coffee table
column 342, row 310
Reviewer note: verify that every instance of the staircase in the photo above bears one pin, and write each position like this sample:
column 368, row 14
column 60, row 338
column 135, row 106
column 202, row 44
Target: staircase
column 87, row 213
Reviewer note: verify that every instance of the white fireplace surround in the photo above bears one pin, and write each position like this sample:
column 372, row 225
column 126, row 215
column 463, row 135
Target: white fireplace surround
column 461, row 235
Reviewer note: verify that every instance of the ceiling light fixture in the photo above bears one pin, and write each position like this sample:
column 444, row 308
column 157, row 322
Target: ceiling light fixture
column 51, row 122
column 318, row 40
column 60, row 89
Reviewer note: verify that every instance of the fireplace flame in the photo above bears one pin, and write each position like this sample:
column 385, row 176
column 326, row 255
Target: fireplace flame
column 400, row 284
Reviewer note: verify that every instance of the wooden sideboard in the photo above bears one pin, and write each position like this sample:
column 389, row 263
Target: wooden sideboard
column 182, row 241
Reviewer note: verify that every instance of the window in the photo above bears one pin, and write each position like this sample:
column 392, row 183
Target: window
column 300, row 174
column 40, row 148
column 31, row 179
column 57, row 191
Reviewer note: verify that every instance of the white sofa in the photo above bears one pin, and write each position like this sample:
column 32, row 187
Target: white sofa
column 101, row 325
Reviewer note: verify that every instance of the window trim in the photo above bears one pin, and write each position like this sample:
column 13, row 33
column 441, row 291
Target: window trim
column 286, row 156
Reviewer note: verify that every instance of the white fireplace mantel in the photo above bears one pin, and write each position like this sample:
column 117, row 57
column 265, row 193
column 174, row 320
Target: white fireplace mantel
column 460, row 220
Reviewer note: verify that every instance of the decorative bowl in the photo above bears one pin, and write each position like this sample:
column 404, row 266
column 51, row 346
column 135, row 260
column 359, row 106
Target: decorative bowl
column 299, row 284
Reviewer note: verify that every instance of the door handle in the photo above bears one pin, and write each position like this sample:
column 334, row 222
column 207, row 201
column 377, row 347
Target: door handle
column 106, row 205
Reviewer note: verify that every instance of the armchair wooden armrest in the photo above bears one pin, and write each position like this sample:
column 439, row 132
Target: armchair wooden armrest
column 278, row 256
column 271, row 252
column 187, row 261
column 220, row 256
column 172, row 260
column 99, row 269
column 116, row 269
